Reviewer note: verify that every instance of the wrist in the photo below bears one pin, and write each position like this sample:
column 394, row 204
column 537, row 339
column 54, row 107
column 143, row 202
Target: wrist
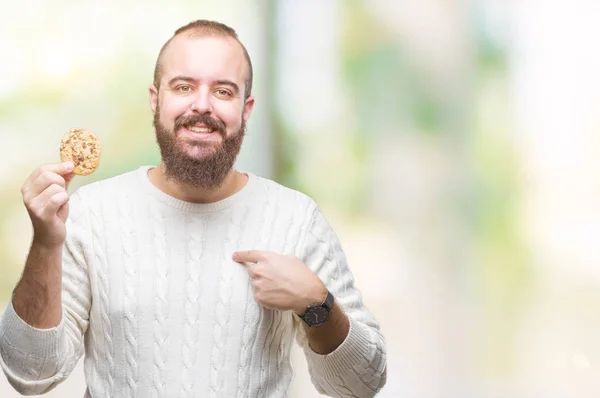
column 315, row 295
column 43, row 261
column 318, row 313
column 45, row 246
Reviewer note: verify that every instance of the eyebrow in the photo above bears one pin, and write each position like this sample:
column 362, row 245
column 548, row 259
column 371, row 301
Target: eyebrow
column 188, row 79
column 230, row 84
column 182, row 78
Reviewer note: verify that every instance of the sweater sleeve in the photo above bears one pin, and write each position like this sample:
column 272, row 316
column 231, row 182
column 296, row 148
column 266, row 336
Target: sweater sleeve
column 37, row 360
column 357, row 368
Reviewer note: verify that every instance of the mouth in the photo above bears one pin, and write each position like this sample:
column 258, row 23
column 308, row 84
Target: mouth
column 200, row 129
column 200, row 133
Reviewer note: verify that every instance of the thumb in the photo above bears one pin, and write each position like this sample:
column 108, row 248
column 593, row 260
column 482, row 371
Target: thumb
column 67, row 172
column 68, row 178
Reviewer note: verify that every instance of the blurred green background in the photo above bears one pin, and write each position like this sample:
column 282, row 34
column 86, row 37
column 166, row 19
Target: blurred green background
column 453, row 145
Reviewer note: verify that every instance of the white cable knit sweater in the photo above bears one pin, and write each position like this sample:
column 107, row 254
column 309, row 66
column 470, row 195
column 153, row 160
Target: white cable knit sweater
column 152, row 296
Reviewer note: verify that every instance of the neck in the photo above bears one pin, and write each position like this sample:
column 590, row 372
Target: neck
column 232, row 183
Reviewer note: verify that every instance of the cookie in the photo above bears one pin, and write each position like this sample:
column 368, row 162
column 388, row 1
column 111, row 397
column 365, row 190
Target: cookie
column 83, row 148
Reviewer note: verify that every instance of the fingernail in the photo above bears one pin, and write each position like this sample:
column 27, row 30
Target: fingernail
column 69, row 166
column 234, row 257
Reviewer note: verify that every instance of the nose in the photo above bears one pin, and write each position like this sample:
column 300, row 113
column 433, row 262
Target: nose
column 202, row 102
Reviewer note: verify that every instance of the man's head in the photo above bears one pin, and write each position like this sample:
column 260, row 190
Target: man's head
column 201, row 101
column 203, row 27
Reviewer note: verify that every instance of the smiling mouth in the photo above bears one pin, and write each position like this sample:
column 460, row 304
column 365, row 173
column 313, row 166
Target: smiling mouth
column 201, row 130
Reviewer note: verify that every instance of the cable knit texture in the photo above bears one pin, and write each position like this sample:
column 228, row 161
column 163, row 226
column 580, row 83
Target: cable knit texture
column 153, row 298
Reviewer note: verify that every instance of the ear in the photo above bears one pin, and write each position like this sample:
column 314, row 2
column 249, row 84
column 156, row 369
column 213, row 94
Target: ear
column 248, row 106
column 153, row 91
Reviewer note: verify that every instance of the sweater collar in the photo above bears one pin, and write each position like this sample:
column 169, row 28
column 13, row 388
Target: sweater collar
column 241, row 196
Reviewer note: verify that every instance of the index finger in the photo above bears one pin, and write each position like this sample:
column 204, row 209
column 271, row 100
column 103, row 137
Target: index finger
column 250, row 256
column 62, row 169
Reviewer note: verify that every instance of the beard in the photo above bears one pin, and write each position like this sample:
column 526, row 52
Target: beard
column 213, row 161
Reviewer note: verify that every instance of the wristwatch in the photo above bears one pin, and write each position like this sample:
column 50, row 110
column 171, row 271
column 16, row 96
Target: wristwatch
column 316, row 314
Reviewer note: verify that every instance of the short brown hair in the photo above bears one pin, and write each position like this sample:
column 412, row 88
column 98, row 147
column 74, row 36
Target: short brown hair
column 208, row 28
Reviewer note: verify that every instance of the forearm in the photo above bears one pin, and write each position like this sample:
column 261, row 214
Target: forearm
column 355, row 361
column 37, row 297
column 330, row 335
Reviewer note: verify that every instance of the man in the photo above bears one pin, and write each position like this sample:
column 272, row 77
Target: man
column 190, row 279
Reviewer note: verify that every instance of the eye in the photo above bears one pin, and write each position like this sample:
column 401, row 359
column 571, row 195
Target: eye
column 184, row 89
column 223, row 93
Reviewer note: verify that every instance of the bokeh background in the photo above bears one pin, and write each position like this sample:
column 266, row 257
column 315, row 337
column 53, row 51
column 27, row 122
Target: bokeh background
column 453, row 145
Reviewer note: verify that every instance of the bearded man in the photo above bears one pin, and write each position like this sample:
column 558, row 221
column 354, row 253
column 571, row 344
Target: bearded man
column 190, row 279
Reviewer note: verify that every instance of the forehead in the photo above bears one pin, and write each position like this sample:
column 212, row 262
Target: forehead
column 204, row 58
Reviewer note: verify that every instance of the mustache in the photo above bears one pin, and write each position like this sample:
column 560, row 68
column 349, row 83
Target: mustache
column 187, row 121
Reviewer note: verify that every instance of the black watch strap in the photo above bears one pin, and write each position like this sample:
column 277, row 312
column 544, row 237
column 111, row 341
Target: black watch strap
column 328, row 303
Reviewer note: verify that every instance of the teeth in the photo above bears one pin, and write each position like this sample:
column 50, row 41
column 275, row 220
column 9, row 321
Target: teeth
column 199, row 129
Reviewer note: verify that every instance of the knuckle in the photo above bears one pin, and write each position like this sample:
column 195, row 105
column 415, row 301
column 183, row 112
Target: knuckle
column 55, row 198
column 46, row 175
column 55, row 201
column 29, row 206
column 37, row 212
column 52, row 177
column 43, row 178
column 56, row 188
column 45, row 167
column 258, row 270
column 51, row 191
column 267, row 256
column 259, row 298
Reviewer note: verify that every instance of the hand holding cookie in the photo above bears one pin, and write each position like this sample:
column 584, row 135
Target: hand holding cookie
column 46, row 199
column 45, row 191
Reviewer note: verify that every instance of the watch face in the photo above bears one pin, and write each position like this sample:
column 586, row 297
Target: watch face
column 316, row 315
